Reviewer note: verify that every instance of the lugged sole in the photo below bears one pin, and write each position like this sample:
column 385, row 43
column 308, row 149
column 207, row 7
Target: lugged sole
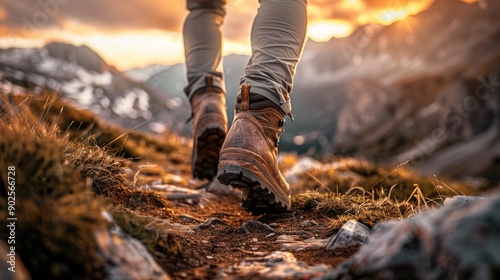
column 206, row 155
column 258, row 196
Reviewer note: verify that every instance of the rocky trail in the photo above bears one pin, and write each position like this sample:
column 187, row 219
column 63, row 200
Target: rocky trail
column 96, row 202
column 220, row 239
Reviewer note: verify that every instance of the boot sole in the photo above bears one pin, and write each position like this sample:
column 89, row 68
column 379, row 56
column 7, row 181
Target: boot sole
column 207, row 148
column 258, row 195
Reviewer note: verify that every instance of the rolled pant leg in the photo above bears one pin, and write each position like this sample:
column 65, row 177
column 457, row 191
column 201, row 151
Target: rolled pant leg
column 278, row 34
column 202, row 45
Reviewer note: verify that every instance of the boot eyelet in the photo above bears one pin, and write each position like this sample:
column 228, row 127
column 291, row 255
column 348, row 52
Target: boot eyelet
column 282, row 122
column 277, row 143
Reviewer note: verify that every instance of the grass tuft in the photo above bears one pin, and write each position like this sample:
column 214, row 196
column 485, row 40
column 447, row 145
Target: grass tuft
column 69, row 170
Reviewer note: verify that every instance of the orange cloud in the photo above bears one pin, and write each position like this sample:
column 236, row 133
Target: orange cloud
column 124, row 29
column 25, row 15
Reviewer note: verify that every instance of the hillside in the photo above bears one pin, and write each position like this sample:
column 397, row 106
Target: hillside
column 96, row 202
column 82, row 76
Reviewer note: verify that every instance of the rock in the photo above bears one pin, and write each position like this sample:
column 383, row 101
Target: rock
column 214, row 187
column 462, row 199
column 308, row 223
column 126, row 257
column 181, row 194
column 458, row 241
column 308, row 244
column 277, row 265
column 352, row 233
column 287, row 238
column 303, row 165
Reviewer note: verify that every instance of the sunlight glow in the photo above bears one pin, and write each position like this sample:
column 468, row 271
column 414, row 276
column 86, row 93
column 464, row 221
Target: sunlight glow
column 325, row 30
column 389, row 16
column 126, row 48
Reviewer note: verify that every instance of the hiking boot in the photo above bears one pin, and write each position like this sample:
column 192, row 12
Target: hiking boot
column 249, row 157
column 209, row 132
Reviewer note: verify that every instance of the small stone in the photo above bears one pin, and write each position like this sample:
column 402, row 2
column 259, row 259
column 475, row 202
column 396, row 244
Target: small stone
column 254, row 248
column 210, row 257
column 277, row 265
column 271, row 234
column 255, row 240
column 287, row 238
column 204, row 241
column 308, row 223
column 306, row 245
column 273, row 225
column 352, row 233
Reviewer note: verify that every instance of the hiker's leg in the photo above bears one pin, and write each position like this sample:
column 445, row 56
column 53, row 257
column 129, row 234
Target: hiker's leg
column 278, row 34
column 205, row 89
column 249, row 156
column 202, row 44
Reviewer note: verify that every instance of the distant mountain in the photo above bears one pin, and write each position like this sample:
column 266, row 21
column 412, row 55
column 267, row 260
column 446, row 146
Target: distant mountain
column 143, row 74
column 83, row 76
column 427, row 90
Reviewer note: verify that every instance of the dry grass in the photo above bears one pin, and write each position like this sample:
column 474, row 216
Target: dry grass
column 56, row 215
column 340, row 208
column 83, row 125
column 350, row 189
column 397, row 184
column 67, row 172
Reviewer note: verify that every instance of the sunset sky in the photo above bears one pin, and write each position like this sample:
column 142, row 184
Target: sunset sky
column 137, row 33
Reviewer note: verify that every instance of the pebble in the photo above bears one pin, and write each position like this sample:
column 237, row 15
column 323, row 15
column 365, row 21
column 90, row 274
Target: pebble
column 308, row 223
column 210, row 257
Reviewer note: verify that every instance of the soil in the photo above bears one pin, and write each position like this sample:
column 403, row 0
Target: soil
column 219, row 245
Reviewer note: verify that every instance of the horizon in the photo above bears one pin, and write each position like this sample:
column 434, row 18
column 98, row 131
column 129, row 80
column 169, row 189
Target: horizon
column 160, row 37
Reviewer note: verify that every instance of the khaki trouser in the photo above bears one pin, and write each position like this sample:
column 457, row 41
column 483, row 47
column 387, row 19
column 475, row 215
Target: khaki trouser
column 278, row 33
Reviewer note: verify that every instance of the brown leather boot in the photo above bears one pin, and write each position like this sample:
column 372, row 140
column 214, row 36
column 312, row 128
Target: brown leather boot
column 249, row 158
column 209, row 132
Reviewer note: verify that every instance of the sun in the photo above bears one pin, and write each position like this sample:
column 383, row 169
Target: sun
column 324, row 30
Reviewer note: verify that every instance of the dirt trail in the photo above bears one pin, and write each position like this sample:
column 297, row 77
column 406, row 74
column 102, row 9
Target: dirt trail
column 222, row 234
